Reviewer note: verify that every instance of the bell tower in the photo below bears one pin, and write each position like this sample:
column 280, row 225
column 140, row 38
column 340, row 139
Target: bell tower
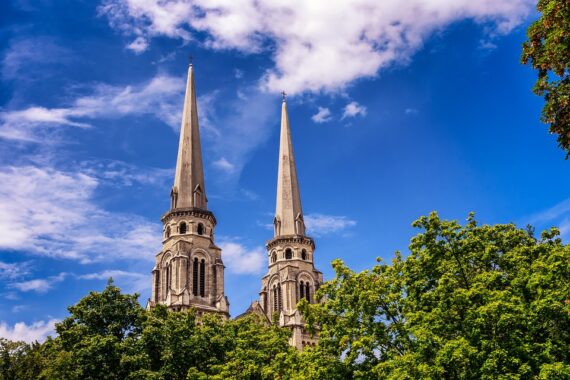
column 291, row 274
column 189, row 272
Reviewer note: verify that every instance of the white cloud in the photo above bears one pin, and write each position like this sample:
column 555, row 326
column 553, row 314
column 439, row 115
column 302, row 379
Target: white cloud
column 23, row 56
column 487, row 45
column 14, row 270
column 353, row 109
column 224, row 165
column 37, row 331
column 241, row 260
column 319, row 224
column 558, row 215
column 52, row 213
column 238, row 74
column 139, row 45
column 552, row 213
column 19, row 308
column 319, row 45
column 235, row 134
column 161, row 97
column 124, row 174
column 129, row 281
column 564, row 227
column 38, row 285
column 251, row 195
column 322, row 116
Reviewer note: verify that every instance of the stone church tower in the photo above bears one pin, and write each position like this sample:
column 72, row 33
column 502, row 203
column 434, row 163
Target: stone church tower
column 292, row 274
column 189, row 271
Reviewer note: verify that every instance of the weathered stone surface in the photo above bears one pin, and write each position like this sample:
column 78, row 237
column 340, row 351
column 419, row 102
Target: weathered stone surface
column 189, row 271
column 291, row 274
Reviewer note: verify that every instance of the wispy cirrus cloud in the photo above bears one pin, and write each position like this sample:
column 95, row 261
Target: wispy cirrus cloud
column 241, row 260
column 39, row 285
column 31, row 58
column 557, row 215
column 320, row 224
column 9, row 271
column 120, row 173
column 160, row 97
column 315, row 45
column 49, row 212
column 234, row 134
column 37, row 331
column 130, row 282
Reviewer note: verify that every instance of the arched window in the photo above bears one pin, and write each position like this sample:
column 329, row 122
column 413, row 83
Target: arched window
column 302, row 290
column 157, row 286
column 163, row 282
column 202, row 278
column 200, row 229
column 195, row 277
column 279, row 297
column 308, row 292
column 304, row 254
column 182, row 228
column 275, row 298
column 273, row 257
column 288, row 254
column 168, row 277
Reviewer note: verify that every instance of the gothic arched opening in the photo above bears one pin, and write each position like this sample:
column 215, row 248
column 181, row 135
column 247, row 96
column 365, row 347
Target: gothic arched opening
column 195, row 277
column 202, row 278
column 182, row 228
column 288, row 254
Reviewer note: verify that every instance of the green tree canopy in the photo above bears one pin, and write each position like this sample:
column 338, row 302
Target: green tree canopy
column 108, row 335
column 548, row 51
column 469, row 302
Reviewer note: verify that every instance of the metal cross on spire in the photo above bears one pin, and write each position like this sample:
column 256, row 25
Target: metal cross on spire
column 190, row 59
column 284, row 94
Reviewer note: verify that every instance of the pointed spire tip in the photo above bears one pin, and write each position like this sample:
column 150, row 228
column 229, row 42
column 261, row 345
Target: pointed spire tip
column 284, row 94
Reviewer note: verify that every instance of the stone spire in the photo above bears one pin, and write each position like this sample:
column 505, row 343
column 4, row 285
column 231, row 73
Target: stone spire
column 288, row 212
column 188, row 190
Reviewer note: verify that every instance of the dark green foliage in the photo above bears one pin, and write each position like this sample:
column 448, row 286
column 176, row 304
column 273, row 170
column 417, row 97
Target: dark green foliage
column 468, row 302
column 19, row 360
column 548, row 51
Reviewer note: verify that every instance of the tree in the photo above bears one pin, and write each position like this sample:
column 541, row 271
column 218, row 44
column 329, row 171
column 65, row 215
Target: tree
column 19, row 360
column 548, row 51
column 95, row 340
column 257, row 350
column 109, row 336
column 469, row 302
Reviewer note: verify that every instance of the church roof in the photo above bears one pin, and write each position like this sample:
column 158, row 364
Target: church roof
column 256, row 309
column 189, row 189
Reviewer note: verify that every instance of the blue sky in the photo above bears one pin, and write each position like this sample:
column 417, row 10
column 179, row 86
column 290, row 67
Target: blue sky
column 397, row 108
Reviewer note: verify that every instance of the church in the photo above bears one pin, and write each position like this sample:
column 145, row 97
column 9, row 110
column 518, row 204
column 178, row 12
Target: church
column 189, row 270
